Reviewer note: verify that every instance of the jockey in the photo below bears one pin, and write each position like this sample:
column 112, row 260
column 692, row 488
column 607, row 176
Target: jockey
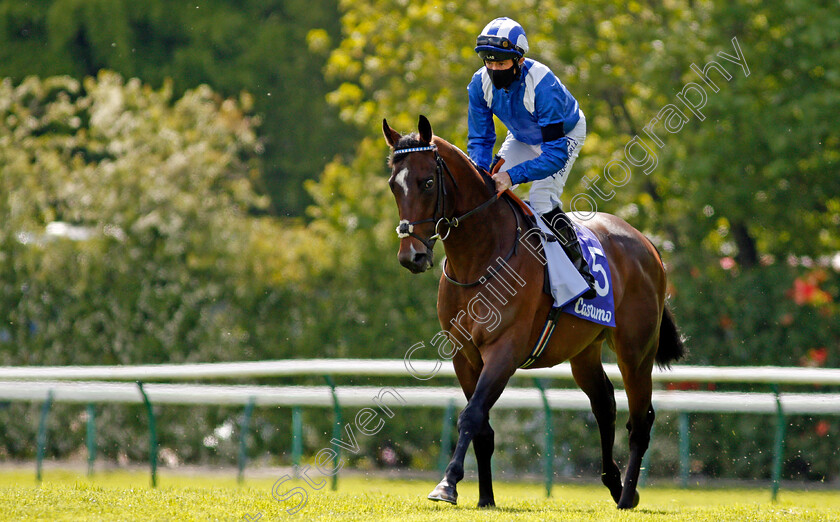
column 545, row 128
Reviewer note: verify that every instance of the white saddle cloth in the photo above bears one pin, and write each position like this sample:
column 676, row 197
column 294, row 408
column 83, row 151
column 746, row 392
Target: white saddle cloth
column 566, row 282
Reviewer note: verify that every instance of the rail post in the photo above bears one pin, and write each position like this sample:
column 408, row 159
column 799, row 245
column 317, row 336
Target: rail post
column 778, row 444
column 42, row 435
column 685, row 448
column 336, row 430
column 243, row 438
column 549, row 439
column 152, row 434
column 297, row 437
column 90, row 437
column 643, row 473
column 446, row 436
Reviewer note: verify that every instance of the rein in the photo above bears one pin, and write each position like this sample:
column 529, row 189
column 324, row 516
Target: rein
column 492, row 271
column 406, row 228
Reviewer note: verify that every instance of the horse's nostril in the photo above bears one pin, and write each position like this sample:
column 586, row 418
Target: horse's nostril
column 419, row 257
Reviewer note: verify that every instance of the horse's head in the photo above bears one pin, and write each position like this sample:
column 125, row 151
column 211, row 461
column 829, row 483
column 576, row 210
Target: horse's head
column 419, row 188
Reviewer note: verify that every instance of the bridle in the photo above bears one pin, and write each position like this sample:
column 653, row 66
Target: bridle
column 406, row 228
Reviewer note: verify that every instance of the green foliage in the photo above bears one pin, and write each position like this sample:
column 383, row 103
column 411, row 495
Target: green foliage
column 375, row 308
column 256, row 46
column 765, row 138
column 160, row 190
column 766, row 141
column 751, row 318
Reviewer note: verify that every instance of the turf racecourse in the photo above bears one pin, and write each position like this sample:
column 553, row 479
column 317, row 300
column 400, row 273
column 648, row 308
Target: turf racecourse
column 121, row 495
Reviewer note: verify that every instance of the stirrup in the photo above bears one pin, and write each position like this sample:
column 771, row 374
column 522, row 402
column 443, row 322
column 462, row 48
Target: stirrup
column 590, row 292
column 583, row 268
column 565, row 233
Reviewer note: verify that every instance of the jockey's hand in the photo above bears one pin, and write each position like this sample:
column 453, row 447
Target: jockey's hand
column 498, row 161
column 502, row 180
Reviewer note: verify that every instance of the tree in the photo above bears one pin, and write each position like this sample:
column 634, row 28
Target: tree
column 625, row 63
column 158, row 191
column 718, row 186
column 257, row 46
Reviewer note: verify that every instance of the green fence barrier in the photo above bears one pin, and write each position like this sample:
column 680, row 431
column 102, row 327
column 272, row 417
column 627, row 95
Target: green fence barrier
column 297, row 437
column 243, row 438
column 643, row 472
column 336, row 430
column 152, row 434
column 446, row 437
column 42, row 435
column 90, row 437
column 549, row 440
column 685, row 447
column 778, row 444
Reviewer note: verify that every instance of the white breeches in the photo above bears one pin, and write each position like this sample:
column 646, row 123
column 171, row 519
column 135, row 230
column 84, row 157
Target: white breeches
column 545, row 193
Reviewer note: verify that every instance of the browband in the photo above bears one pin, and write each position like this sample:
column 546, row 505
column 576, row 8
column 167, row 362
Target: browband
column 415, row 149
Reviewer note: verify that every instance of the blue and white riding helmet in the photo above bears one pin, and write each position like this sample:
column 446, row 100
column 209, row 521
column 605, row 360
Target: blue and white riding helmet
column 501, row 39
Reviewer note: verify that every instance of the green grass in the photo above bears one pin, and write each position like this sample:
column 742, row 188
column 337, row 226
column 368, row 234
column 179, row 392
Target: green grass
column 127, row 496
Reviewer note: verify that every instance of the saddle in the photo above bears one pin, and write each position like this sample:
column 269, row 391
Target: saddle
column 531, row 224
column 530, row 220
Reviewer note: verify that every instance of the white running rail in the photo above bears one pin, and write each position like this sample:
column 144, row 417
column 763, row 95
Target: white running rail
column 402, row 396
column 398, row 367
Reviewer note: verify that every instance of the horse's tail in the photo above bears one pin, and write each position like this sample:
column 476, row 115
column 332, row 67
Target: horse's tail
column 671, row 347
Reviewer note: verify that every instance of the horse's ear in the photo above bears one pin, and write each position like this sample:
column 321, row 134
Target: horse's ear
column 425, row 129
column 391, row 136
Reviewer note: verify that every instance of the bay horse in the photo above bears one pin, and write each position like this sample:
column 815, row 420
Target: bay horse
column 441, row 195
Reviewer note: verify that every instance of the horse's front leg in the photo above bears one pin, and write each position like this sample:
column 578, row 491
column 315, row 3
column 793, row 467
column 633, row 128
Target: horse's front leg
column 471, row 424
column 484, row 444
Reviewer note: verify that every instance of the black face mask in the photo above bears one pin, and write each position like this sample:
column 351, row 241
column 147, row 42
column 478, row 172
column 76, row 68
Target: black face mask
column 503, row 79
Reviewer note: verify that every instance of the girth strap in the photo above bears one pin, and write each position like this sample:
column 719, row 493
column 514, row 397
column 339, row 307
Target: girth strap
column 545, row 336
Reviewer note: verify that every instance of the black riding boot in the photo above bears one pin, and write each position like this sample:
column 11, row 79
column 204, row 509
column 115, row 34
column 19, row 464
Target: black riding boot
column 563, row 229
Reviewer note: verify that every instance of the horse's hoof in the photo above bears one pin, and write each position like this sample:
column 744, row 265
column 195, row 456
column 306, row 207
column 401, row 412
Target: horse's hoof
column 486, row 503
column 444, row 492
column 634, row 504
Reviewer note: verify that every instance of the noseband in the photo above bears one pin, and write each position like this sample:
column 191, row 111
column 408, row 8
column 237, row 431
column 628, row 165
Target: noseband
column 406, row 228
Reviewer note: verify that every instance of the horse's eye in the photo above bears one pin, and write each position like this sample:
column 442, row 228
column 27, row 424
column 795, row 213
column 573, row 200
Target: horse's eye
column 429, row 183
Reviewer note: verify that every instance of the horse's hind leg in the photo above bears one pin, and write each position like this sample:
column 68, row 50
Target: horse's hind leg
column 590, row 377
column 484, row 444
column 638, row 385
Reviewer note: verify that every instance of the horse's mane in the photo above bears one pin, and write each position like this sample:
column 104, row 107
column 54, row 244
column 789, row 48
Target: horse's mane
column 472, row 167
